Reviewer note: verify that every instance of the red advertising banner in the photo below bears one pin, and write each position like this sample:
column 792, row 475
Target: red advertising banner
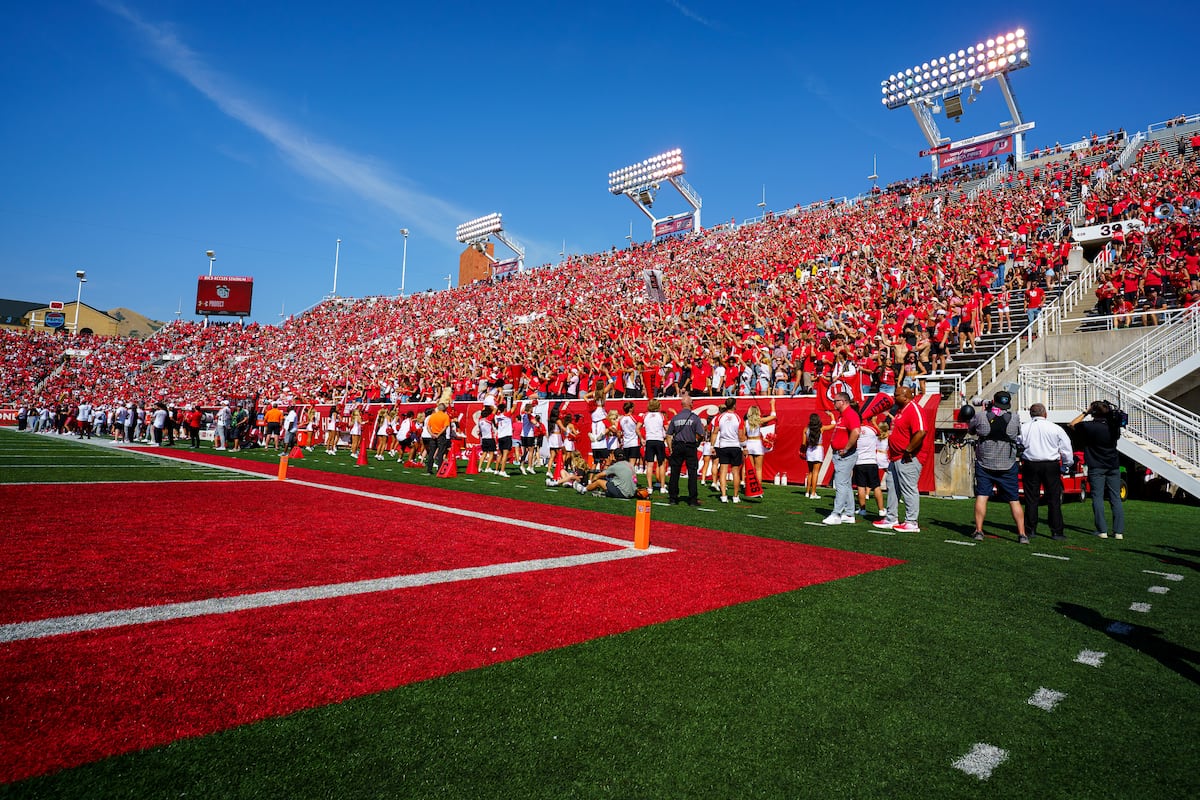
column 785, row 456
column 961, row 155
column 502, row 269
column 224, row 295
column 674, row 225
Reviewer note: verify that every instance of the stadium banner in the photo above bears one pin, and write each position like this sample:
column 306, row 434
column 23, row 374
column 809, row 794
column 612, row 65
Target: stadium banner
column 8, row 417
column 57, row 305
column 54, row 319
column 1106, row 231
column 785, row 458
column 224, row 295
column 652, row 279
column 503, row 269
column 684, row 222
column 993, row 147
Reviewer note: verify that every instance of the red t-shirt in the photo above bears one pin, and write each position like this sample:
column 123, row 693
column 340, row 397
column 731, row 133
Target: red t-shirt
column 841, row 432
column 907, row 422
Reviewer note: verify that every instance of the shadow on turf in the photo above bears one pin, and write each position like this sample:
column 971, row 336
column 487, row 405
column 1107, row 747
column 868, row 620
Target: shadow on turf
column 1145, row 640
column 1171, row 561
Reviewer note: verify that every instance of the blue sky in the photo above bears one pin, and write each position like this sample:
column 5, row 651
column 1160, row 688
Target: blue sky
column 137, row 135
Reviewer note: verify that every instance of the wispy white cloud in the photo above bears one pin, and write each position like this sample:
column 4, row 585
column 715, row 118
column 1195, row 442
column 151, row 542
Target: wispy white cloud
column 692, row 15
column 320, row 161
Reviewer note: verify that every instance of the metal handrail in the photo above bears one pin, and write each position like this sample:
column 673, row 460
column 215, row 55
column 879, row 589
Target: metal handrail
column 1051, row 320
column 1174, row 341
column 1071, row 385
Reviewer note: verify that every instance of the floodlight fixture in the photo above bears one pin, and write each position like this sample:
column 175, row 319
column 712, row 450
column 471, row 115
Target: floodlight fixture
column 478, row 229
column 644, row 173
column 476, row 232
column 966, row 66
column 641, row 182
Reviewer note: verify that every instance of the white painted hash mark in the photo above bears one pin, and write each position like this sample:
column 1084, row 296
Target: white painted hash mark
column 1119, row 628
column 1047, row 555
column 982, row 759
column 956, row 541
column 1171, row 576
column 1046, row 699
column 1093, row 658
column 1142, row 607
column 1158, row 590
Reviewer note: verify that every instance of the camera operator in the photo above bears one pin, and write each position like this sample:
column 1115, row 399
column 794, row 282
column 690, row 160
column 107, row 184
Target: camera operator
column 1100, row 428
column 996, row 462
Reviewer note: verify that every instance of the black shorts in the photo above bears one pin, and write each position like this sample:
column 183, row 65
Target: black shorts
column 865, row 476
column 273, row 428
column 656, row 451
column 936, row 349
column 527, row 441
column 505, row 443
column 729, row 456
column 599, row 454
column 489, row 445
column 632, row 453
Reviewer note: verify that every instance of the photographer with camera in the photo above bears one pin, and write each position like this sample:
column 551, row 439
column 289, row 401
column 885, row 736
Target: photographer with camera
column 1100, row 428
column 996, row 457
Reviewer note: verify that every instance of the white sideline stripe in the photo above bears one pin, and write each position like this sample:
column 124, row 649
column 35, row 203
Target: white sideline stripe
column 81, row 623
column 1093, row 658
column 757, row 516
column 1119, row 628
column 1048, row 555
column 982, row 759
column 1046, row 699
column 1141, row 607
column 1171, row 576
column 1158, row 590
column 956, row 541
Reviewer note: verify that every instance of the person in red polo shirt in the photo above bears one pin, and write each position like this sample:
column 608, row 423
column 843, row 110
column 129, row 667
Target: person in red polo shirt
column 905, row 460
column 1035, row 296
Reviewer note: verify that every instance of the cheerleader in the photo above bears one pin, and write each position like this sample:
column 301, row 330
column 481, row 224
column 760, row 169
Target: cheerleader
column 383, row 431
column 814, row 454
column 755, row 422
column 331, row 432
column 356, row 430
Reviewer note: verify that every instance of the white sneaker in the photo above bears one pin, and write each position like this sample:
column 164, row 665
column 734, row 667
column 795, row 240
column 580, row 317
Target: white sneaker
column 907, row 527
column 1118, row 536
column 849, row 518
column 737, row 499
column 662, row 490
column 724, row 499
column 579, row 487
column 833, row 519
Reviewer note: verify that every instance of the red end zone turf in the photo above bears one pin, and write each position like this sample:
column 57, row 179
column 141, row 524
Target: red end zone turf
column 75, row 698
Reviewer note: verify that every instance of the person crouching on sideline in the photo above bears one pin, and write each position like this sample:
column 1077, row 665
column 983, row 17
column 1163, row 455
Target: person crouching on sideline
column 615, row 479
column 844, row 444
column 996, row 462
column 1047, row 456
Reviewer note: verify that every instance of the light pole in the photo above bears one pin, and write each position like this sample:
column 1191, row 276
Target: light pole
column 403, row 260
column 337, row 251
column 211, row 258
column 763, row 204
column 82, row 277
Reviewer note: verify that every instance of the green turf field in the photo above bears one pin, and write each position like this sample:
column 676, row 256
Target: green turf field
column 868, row 687
column 38, row 458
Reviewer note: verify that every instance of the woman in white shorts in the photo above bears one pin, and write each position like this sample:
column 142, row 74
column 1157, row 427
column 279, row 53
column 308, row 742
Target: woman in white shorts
column 755, row 422
column 814, row 454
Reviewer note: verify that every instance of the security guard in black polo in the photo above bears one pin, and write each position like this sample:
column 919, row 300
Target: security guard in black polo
column 684, row 434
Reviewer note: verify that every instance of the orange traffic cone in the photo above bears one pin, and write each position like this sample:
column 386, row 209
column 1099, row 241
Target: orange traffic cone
column 448, row 469
column 362, row 453
column 297, row 453
column 558, row 466
column 473, row 461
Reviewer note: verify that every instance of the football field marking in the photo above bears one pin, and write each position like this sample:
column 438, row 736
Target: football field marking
column 982, row 759
column 1171, row 576
column 1143, row 608
column 1046, row 699
column 1092, row 658
column 1048, row 555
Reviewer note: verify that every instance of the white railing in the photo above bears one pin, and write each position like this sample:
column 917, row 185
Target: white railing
column 1071, row 385
column 990, row 182
column 1174, row 341
column 1051, row 320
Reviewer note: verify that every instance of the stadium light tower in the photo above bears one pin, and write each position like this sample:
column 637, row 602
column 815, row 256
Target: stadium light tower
column 403, row 260
column 640, row 182
column 477, row 231
column 81, row 276
column 946, row 81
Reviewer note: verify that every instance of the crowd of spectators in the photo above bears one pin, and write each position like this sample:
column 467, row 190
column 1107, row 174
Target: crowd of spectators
column 888, row 288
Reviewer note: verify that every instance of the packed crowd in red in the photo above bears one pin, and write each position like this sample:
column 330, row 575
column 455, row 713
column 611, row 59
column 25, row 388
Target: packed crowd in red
column 888, row 284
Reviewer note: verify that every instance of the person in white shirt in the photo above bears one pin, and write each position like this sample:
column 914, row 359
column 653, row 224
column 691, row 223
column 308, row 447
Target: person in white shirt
column 222, row 432
column 1047, row 455
column 866, row 468
column 727, row 438
column 655, row 429
column 504, row 438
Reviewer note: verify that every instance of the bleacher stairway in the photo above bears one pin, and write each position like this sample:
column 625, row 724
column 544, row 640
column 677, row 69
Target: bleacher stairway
column 1161, row 435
